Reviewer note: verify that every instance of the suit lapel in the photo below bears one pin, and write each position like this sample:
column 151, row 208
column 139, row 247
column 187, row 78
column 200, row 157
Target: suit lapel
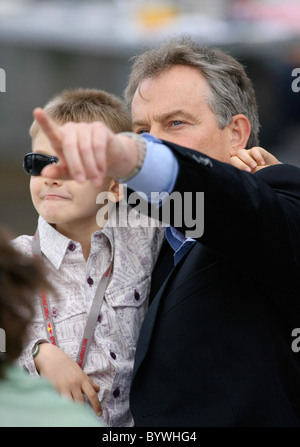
column 149, row 321
column 163, row 266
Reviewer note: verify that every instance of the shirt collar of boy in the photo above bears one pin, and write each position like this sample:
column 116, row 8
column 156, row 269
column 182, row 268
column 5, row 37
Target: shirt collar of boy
column 54, row 245
column 97, row 241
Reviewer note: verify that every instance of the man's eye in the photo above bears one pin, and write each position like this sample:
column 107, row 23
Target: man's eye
column 176, row 123
column 140, row 131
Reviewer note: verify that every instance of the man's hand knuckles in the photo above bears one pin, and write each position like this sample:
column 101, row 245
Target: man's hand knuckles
column 85, row 149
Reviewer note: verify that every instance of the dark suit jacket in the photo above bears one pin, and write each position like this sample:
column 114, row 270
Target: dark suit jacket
column 215, row 345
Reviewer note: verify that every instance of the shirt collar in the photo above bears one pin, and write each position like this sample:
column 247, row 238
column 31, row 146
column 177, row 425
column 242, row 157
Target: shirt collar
column 179, row 243
column 54, row 244
column 108, row 231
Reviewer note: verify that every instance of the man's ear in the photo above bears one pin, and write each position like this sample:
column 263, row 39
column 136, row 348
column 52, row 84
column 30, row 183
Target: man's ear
column 240, row 133
column 117, row 189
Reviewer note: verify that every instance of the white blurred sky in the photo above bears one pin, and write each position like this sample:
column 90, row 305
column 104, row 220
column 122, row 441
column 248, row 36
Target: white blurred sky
column 121, row 23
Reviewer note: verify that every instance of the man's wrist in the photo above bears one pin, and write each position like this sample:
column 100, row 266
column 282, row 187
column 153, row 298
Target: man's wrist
column 141, row 146
column 159, row 159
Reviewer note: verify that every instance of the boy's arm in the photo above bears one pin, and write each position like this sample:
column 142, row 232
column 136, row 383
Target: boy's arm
column 26, row 360
column 66, row 375
column 252, row 160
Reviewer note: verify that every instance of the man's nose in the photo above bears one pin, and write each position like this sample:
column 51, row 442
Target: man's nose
column 156, row 131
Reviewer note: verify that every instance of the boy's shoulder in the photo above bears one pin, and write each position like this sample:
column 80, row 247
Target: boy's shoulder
column 23, row 243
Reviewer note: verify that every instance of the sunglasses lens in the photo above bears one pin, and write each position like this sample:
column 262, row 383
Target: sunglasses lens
column 35, row 163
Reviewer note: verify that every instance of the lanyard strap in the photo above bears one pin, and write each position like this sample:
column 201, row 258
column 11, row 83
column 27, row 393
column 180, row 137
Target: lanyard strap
column 93, row 315
column 46, row 308
column 92, row 318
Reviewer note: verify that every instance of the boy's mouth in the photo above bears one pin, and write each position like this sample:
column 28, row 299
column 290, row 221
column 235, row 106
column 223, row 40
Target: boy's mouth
column 53, row 196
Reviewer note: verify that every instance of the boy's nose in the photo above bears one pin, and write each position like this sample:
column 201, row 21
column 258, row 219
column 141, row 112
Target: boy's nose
column 51, row 181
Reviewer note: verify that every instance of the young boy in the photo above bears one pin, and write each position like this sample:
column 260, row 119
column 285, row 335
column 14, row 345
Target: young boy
column 80, row 253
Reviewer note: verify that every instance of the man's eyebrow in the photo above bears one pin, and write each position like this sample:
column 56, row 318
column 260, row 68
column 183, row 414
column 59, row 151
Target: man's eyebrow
column 138, row 123
column 172, row 114
column 165, row 116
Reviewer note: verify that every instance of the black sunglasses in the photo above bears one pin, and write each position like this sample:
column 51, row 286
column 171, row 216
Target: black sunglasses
column 34, row 163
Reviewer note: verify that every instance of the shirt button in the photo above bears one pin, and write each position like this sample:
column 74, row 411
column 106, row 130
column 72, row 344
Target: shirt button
column 99, row 319
column 136, row 295
column 54, row 312
column 116, row 393
column 113, row 355
column 72, row 247
column 90, row 281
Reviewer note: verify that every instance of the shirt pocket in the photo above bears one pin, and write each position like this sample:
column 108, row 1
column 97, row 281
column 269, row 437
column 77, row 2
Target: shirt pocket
column 130, row 305
column 68, row 317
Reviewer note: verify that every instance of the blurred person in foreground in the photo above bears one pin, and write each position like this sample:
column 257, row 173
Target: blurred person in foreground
column 27, row 401
column 215, row 345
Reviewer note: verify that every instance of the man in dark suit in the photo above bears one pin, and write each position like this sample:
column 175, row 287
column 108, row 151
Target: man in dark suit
column 215, row 346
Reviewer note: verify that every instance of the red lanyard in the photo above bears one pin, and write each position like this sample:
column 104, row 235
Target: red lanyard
column 93, row 315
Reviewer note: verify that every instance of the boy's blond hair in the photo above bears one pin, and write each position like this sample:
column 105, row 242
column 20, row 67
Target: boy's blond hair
column 86, row 105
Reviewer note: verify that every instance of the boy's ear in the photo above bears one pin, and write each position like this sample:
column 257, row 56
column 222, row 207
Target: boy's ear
column 117, row 189
column 240, row 133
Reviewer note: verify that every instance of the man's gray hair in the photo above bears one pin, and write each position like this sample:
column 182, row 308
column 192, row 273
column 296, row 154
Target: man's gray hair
column 231, row 90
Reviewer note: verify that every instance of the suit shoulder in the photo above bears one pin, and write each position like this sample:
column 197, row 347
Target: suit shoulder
column 282, row 176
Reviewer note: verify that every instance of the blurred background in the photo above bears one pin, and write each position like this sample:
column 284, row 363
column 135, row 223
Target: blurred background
column 46, row 46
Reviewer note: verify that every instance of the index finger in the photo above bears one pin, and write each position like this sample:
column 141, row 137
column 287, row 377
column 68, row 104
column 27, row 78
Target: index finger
column 49, row 127
column 92, row 396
